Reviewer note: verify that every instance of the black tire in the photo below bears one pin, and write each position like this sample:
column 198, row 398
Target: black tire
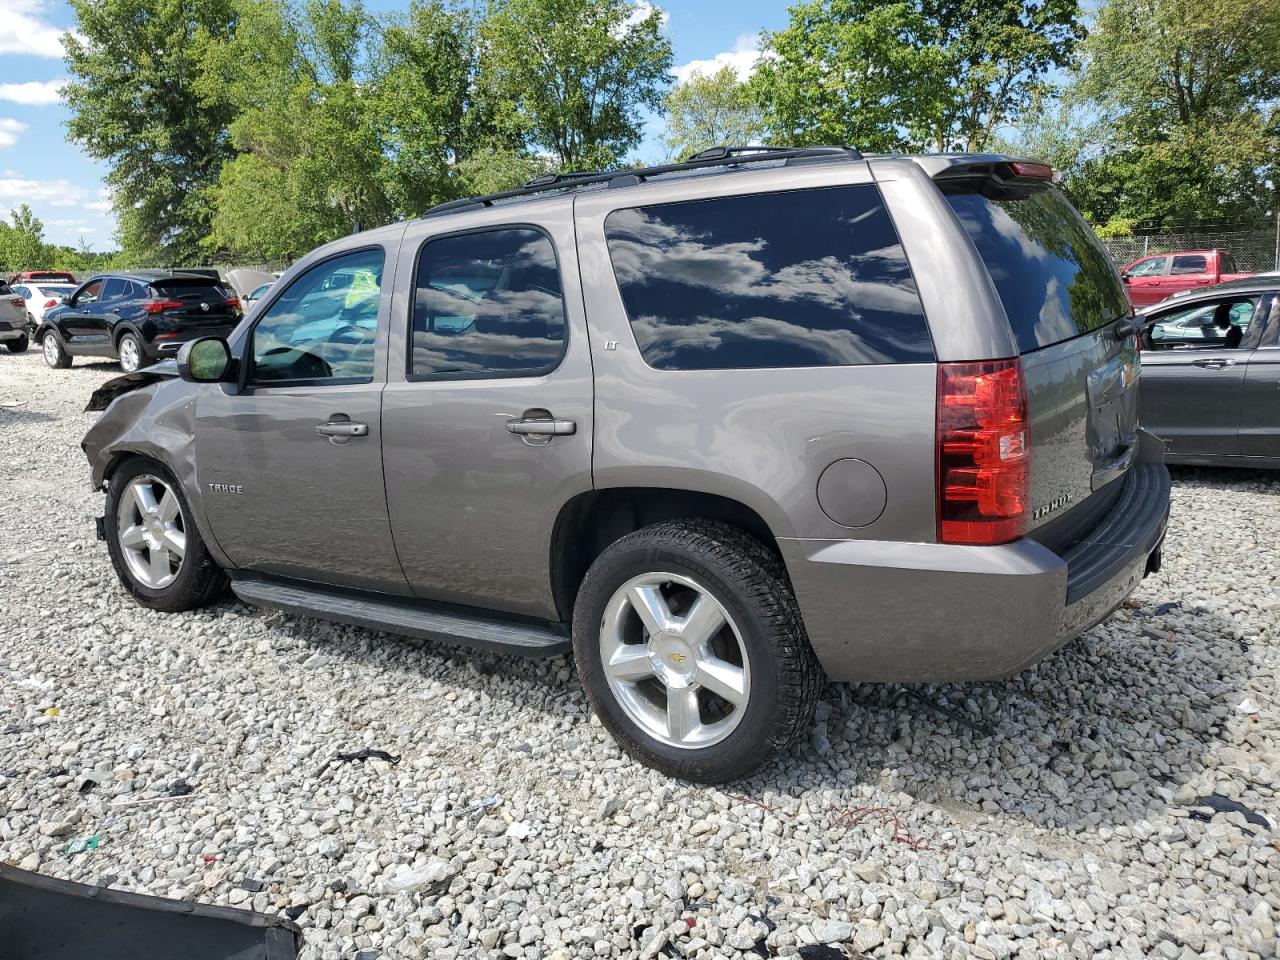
column 751, row 584
column 199, row 580
column 56, row 355
column 18, row 346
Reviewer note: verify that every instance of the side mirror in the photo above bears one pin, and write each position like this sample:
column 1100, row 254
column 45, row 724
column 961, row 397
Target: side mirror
column 1125, row 278
column 64, row 300
column 207, row 360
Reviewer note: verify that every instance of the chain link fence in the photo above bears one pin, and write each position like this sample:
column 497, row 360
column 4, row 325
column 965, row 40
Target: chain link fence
column 1253, row 251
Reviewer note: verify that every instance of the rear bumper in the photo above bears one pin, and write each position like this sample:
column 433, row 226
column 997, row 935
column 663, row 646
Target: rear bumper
column 926, row 612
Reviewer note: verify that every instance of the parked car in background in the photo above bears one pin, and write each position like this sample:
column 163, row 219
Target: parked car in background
column 13, row 320
column 256, row 294
column 722, row 428
column 139, row 317
column 41, row 296
column 1211, row 374
column 1153, row 278
column 48, row 276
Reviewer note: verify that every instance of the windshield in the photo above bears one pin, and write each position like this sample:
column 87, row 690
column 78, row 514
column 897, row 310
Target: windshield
column 1054, row 278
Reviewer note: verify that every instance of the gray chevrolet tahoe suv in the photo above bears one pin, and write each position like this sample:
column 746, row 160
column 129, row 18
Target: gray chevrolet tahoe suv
column 723, row 428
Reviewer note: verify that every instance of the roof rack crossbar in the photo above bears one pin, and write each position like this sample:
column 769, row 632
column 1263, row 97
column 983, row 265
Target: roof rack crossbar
column 723, row 156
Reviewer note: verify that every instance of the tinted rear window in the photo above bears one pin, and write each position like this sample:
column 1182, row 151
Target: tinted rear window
column 808, row 278
column 1053, row 276
column 196, row 289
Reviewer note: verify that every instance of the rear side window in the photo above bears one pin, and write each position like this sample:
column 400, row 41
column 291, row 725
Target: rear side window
column 1054, row 278
column 114, row 289
column 1189, row 263
column 810, row 278
column 488, row 304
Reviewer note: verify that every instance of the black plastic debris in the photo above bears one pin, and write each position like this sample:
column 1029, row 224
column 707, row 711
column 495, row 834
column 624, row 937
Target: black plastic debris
column 821, row 951
column 294, row 912
column 44, row 917
column 1166, row 607
column 252, row 886
column 1220, row 804
column 338, row 886
column 367, row 754
column 180, row 788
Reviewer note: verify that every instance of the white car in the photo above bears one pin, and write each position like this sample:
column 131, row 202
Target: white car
column 42, row 296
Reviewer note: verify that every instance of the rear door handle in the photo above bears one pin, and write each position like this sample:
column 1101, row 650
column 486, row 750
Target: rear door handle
column 1214, row 363
column 539, row 427
column 342, row 429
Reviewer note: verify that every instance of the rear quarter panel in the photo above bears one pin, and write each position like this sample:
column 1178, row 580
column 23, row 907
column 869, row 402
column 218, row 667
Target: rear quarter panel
column 761, row 437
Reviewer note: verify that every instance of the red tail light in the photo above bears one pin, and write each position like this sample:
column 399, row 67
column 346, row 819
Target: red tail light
column 1032, row 171
column 165, row 336
column 160, row 306
column 984, row 452
column 50, row 303
column 232, row 302
column 18, row 302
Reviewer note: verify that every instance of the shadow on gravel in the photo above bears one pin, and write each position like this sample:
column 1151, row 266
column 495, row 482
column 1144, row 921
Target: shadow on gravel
column 1244, row 479
column 13, row 416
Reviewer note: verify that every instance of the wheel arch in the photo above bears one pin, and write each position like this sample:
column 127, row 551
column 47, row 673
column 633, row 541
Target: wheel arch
column 592, row 520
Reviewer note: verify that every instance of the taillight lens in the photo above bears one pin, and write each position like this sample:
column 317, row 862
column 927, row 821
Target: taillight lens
column 160, row 306
column 50, row 303
column 18, row 302
column 984, row 452
column 232, row 302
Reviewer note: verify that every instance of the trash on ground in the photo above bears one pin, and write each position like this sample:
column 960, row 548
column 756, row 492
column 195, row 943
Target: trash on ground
column 1247, row 705
column 365, row 754
column 144, row 801
column 251, row 886
column 180, row 788
column 1166, row 607
column 297, row 910
column 52, row 712
column 81, row 844
column 1220, row 804
column 483, row 804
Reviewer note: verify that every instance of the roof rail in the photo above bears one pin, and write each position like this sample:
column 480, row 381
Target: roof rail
column 722, row 156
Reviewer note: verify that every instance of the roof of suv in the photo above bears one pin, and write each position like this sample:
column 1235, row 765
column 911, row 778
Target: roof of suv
column 1263, row 283
column 151, row 276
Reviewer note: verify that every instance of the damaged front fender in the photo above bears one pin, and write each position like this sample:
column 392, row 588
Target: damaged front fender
column 101, row 398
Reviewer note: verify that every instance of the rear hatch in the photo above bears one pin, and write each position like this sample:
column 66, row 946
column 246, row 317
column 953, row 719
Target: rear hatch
column 1069, row 315
column 196, row 305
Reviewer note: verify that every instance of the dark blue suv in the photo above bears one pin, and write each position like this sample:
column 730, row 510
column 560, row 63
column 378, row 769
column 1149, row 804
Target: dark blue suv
column 139, row 317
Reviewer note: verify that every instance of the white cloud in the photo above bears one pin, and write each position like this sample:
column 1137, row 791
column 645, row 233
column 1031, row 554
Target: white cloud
column 53, row 193
column 24, row 30
column 32, row 93
column 742, row 58
column 640, row 10
column 9, row 130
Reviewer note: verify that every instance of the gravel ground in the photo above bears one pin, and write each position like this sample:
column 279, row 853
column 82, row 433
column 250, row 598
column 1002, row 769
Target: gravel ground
column 1055, row 814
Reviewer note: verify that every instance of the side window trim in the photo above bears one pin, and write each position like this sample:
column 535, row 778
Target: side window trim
column 246, row 385
column 410, row 319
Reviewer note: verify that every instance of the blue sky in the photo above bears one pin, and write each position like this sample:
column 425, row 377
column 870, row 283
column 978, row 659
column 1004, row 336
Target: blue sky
column 65, row 188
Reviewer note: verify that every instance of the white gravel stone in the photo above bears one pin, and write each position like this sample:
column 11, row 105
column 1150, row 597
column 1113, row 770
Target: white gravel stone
column 1066, row 832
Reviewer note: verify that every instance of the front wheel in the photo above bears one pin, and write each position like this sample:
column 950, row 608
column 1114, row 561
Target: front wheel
column 55, row 354
column 154, row 545
column 18, row 346
column 690, row 645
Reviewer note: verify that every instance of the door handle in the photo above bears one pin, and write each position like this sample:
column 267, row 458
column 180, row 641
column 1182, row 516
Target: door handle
column 542, row 427
column 342, row 429
column 1214, row 363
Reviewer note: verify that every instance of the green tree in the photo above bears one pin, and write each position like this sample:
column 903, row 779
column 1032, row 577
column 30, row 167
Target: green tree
column 940, row 74
column 22, row 245
column 310, row 164
column 571, row 76
column 1174, row 118
column 133, row 66
column 706, row 111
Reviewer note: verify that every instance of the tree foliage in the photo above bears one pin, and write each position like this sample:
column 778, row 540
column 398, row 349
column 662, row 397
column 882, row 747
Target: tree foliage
column 132, row 94
column 1174, row 119
column 912, row 74
column 708, row 110
column 570, row 77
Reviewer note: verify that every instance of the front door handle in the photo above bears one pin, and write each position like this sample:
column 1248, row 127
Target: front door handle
column 1214, row 363
column 342, row 429
column 542, row 427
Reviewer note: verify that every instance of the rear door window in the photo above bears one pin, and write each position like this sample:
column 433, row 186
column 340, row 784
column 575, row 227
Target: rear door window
column 1189, row 263
column 810, row 278
column 1219, row 324
column 1154, row 267
column 1053, row 276
column 114, row 289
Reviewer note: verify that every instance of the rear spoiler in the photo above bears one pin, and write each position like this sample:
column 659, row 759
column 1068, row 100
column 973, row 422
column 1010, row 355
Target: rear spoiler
column 42, row 916
column 985, row 166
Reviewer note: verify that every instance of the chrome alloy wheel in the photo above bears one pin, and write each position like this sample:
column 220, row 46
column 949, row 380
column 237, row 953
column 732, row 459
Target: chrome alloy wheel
column 674, row 660
column 50, row 346
column 130, row 356
column 150, row 530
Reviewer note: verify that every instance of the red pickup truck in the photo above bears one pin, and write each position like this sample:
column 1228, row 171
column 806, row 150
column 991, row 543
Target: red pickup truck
column 1153, row 278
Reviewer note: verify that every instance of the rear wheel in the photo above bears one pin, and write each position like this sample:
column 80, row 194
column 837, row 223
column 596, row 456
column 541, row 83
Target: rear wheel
column 130, row 351
column 692, row 651
column 18, row 346
column 154, row 545
column 55, row 354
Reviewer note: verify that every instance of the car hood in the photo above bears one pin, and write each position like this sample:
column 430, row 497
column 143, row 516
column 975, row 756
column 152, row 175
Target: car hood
column 245, row 281
column 101, row 398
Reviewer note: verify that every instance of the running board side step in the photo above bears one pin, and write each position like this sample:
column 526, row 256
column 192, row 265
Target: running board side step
column 414, row 619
